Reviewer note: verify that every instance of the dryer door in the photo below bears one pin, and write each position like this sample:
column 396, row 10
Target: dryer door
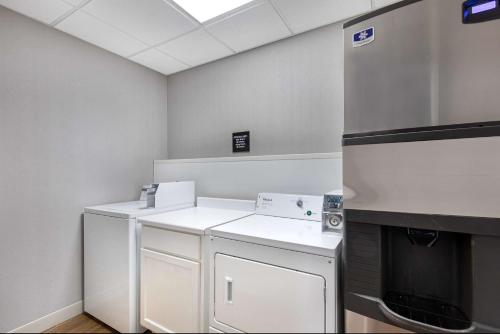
column 256, row 297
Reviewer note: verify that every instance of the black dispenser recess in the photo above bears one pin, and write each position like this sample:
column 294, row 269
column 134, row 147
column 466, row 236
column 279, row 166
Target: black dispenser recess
column 423, row 273
column 428, row 276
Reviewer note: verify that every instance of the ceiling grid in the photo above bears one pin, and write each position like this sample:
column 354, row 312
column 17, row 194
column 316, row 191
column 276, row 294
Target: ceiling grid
column 161, row 35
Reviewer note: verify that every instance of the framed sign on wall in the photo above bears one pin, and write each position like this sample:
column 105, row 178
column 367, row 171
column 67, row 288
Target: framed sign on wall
column 241, row 141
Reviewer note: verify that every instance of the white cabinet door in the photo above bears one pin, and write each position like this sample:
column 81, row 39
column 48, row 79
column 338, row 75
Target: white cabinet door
column 255, row 297
column 170, row 293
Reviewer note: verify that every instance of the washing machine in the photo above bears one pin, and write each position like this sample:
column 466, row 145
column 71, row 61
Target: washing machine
column 111, row 255
column 275, row 271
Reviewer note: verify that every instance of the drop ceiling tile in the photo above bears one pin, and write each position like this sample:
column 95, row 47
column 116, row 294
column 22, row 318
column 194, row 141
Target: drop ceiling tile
column 252, row 27
column 196, row 48
column 151, row 21
column 303, row 15
column 92, row 30
column 45, row 11
column 159, row 62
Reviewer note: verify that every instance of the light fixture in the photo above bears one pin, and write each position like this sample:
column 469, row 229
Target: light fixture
column 204, row 10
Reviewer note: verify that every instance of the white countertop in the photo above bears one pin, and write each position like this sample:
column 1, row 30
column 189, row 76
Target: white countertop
column 129, row 210
column 193, row 220
column 294, row 234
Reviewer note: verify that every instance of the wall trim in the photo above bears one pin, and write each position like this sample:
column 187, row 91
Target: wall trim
column 51, row 320
column 310, row 156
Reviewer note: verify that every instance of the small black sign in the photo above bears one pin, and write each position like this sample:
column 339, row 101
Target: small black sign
column 241, row 142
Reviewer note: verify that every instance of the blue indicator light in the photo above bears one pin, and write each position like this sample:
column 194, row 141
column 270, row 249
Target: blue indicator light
column 484, row 7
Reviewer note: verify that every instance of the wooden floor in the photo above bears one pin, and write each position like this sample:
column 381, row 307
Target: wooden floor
column 82, row 323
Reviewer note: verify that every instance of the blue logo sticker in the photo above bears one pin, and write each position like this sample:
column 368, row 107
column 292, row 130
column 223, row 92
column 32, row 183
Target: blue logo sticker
column 363, row 37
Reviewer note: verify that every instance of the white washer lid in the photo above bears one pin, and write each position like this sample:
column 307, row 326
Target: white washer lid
column 193, row 220
column 293, row 234
column 129, row 210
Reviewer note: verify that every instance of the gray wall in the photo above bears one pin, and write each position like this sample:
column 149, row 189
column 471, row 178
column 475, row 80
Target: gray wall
column 289, row 94
column 78, row 126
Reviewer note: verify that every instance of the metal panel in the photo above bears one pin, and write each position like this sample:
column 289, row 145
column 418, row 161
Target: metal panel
column 425, row 68
column 486, row 277
column 387, row 81
column 446, row 177
column 363, row 259
column 357, row 323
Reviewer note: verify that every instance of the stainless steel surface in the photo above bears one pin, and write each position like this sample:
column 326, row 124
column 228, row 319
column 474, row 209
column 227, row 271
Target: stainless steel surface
column 357, row 323
column 424, row 68
column 448, row 177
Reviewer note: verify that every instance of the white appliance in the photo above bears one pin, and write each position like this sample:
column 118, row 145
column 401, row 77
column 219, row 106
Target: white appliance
column 275, row 271
column 111, row 261
column 173, row 262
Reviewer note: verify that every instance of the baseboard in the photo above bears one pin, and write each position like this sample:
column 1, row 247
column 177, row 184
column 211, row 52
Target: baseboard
column 51, row 320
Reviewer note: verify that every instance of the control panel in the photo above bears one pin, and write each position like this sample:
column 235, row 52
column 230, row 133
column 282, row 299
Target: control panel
column 476, row 11
column 332, row 211
column 332, row 202
column 290, row 206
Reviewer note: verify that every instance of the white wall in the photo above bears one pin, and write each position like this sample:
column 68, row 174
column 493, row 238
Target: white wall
column 289, row 94
column 246, row 177
column 78, row 126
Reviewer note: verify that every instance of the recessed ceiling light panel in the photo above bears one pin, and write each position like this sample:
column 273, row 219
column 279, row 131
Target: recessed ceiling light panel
column 204, row 10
